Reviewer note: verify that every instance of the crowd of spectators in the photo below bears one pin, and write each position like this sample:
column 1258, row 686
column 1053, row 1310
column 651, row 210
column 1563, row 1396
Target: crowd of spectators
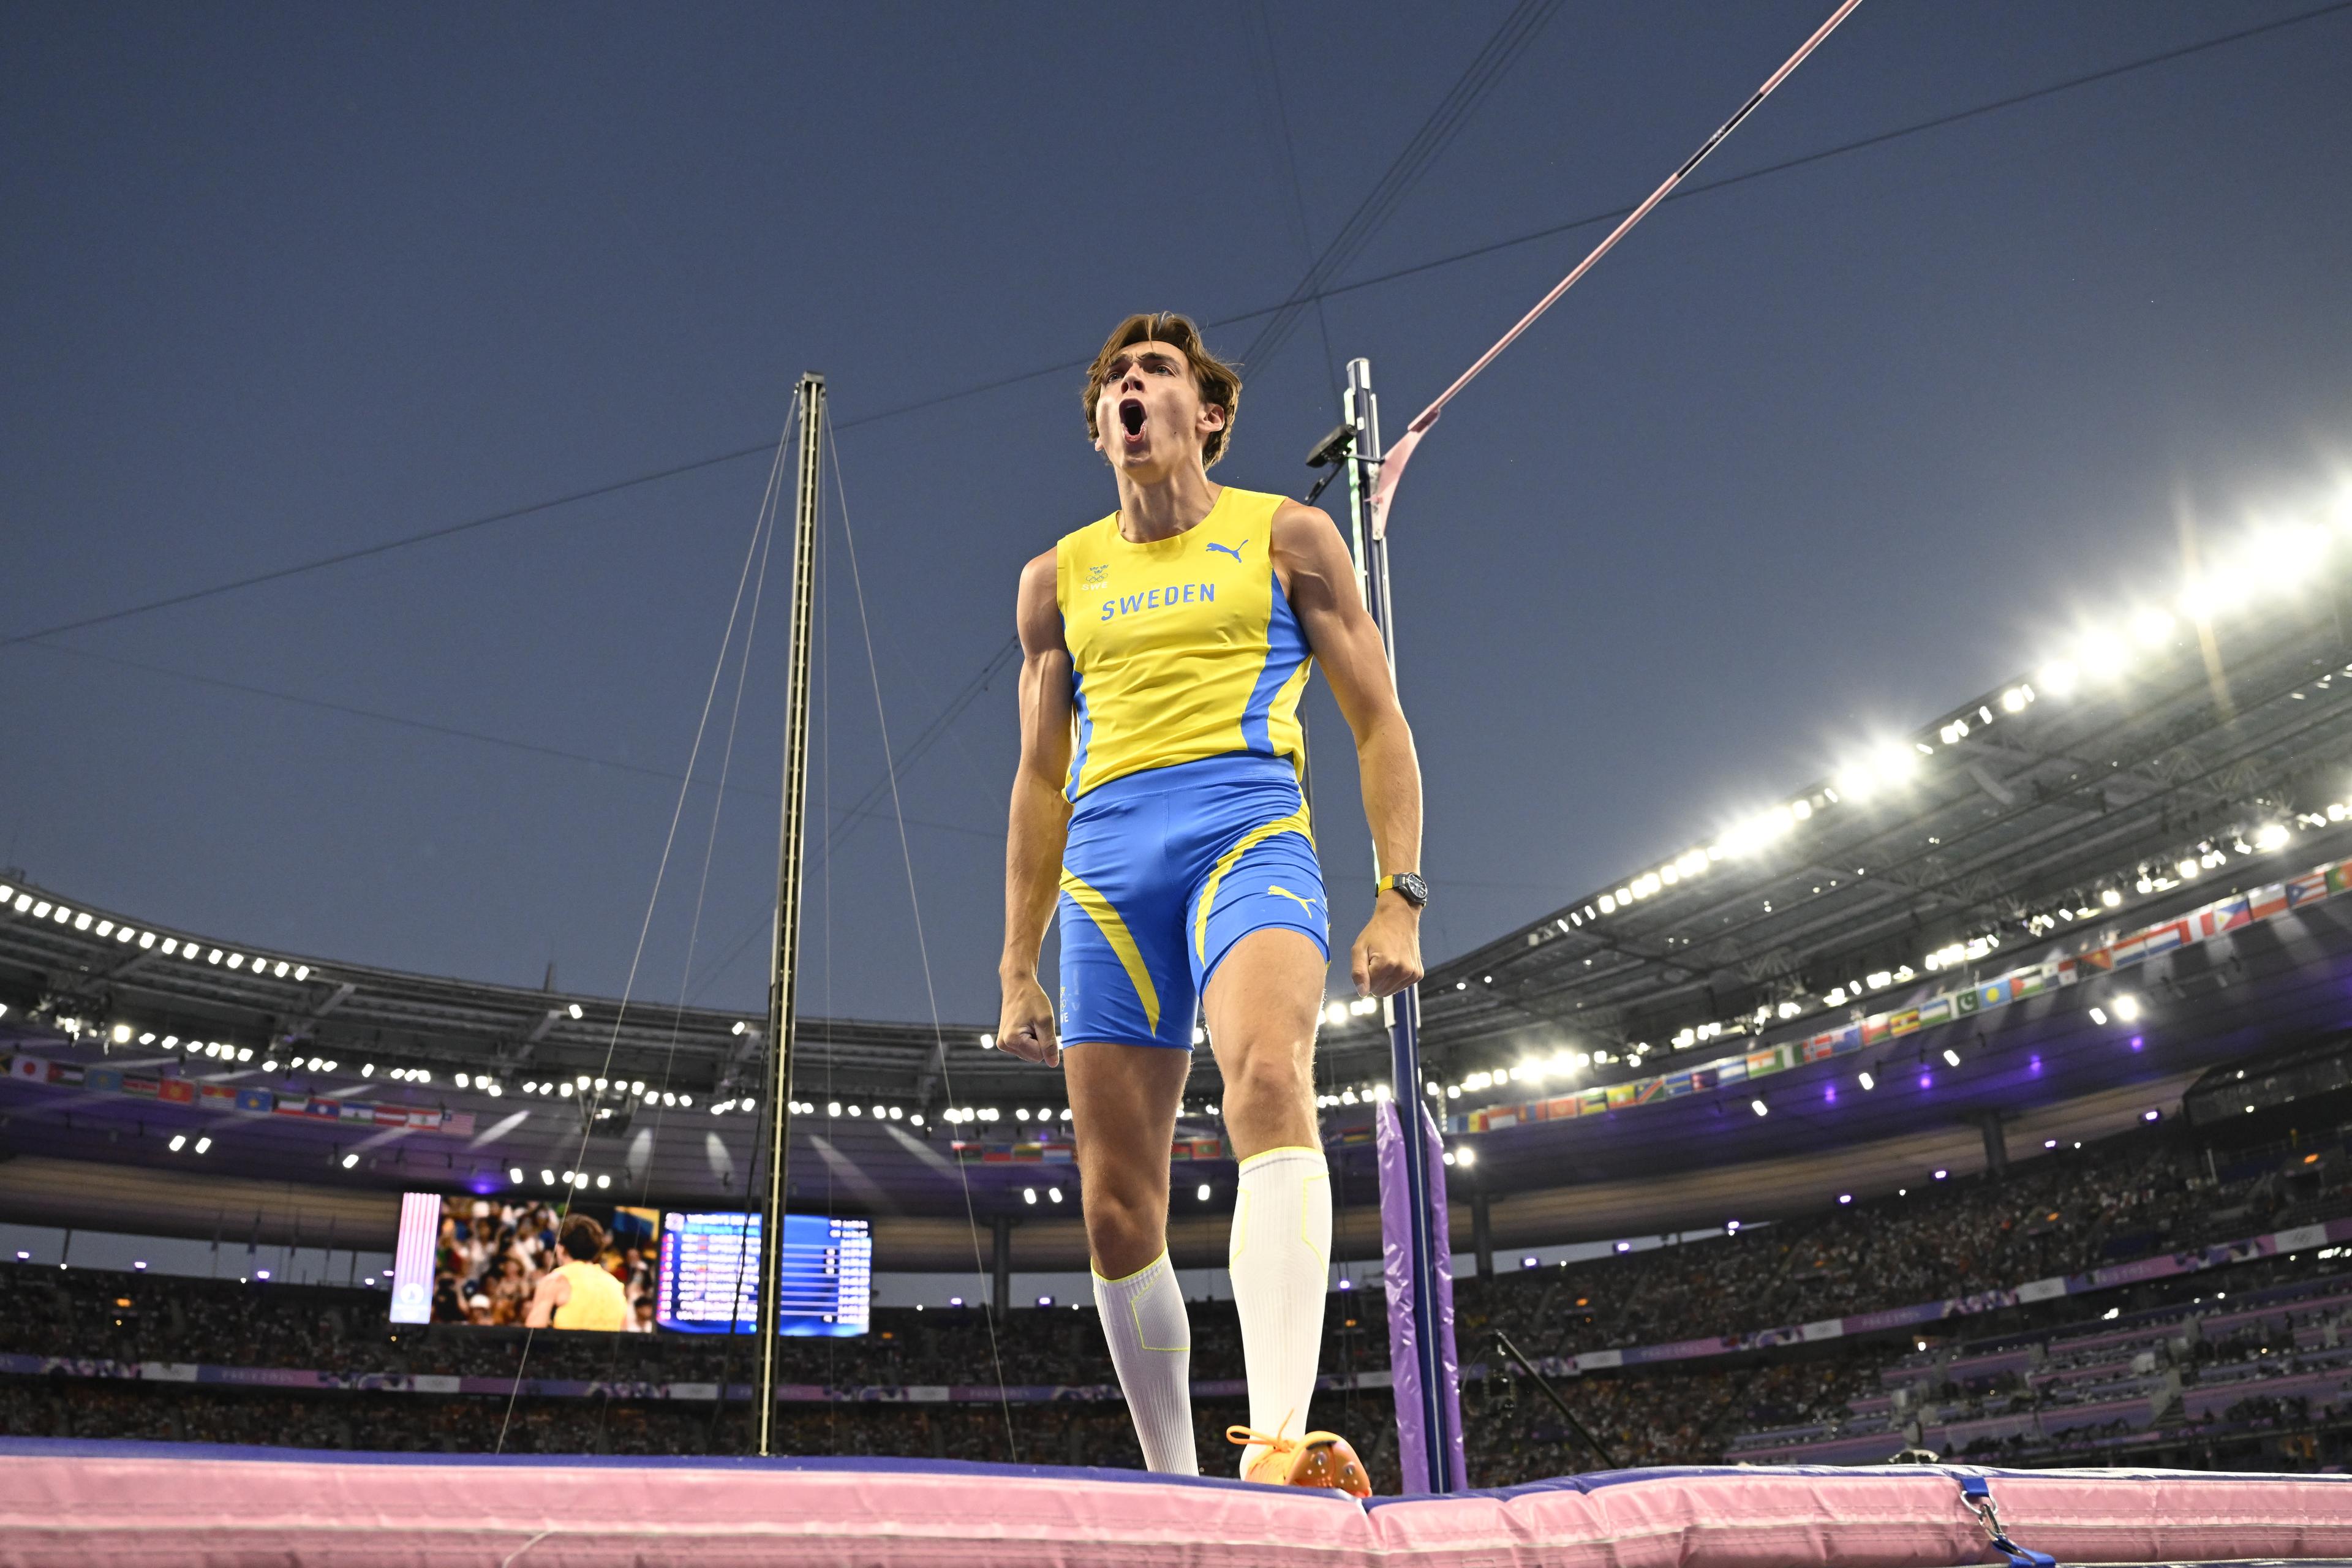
column 2065, row 1212
column 491, row 1257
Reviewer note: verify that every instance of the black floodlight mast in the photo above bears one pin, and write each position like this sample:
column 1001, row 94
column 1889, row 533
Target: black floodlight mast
column 783, row 959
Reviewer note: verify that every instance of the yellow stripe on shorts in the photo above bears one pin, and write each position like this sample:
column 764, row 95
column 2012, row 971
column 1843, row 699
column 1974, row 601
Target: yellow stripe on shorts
column 1295, row 823
column 1122, row 942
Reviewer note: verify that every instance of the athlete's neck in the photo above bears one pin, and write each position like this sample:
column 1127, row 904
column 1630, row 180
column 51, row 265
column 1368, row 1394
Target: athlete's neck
column 1164, row 508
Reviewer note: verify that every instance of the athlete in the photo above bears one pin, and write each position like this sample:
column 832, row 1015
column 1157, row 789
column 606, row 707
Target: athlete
column 580, row 1294
column 1159, row 806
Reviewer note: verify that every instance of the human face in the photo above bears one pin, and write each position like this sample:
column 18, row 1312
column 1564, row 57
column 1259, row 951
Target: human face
column 1149, row 417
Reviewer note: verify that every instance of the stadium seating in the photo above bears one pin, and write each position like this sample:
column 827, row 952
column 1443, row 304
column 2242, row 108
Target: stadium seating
column 2261, row 1347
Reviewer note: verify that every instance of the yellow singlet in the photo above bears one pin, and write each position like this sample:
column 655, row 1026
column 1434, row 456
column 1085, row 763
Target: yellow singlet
column 597, row 1300
column 1183, row 648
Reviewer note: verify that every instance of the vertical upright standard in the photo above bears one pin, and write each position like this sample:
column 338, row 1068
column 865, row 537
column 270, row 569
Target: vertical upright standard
column 1402, row 1011
column 783, row 959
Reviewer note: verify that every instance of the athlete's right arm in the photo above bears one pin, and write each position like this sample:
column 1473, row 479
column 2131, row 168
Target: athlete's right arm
column 1039, row 824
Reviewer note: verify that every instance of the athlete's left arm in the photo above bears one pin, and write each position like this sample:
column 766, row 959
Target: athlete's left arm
column 1320, row 579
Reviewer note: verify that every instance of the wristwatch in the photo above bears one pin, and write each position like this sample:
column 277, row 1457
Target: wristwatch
column 1408, row 886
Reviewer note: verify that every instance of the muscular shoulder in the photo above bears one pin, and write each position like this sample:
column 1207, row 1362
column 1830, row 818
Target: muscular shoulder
column 1307, row 549
column 1037, row 610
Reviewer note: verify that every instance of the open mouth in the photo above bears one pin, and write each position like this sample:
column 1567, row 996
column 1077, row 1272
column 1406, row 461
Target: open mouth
column 1130, row 416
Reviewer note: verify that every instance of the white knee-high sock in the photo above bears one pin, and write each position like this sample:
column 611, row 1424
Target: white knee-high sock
column 1281, row 1247
column 1151, row 1337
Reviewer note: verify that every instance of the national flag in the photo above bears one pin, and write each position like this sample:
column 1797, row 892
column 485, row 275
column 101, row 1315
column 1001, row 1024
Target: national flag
column 105, row 1080
column 1966, row 1002
column 2266, row 903
column 1704, row 1077
column 215, row 1097
column 255, row 1099
column 2229, row 915
column 176, row 1091
column 1873, row 1029
column 1592, row 1101
column 1677, row 1084
column 1992, row 995
column 1763, row 1062
column 2306, row 890
column 142, row 1087
column 1620, row 1094
column 1647, row 1089
column 292, row 1105
column 1935, row 1010
column 1730, row 1070
column 1907, row 1022
column 1563, row 1107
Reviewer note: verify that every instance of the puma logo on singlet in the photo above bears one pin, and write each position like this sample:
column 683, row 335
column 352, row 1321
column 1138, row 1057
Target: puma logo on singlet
column 1233, row 550
column 1281, row 891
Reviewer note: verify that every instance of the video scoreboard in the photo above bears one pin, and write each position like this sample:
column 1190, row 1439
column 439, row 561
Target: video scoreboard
column 709, row 1279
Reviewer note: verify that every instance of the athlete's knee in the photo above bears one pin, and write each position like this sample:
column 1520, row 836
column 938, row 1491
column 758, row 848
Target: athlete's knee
column 1126, row 1227
column 1273, row 1072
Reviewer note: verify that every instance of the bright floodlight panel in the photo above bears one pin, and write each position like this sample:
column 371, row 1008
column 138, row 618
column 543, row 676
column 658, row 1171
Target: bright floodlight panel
column 708, row 1281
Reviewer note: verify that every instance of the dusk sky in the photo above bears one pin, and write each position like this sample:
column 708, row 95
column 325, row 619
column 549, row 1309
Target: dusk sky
column 1808, row 460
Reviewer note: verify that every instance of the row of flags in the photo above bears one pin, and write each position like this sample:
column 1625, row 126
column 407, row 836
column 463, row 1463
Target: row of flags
column 170, row 1090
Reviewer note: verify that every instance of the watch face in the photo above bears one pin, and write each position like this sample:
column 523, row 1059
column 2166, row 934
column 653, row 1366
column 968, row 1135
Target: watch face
column 1415, row 890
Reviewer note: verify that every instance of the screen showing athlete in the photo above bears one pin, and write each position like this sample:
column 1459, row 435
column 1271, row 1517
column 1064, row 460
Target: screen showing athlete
column 1159, row 809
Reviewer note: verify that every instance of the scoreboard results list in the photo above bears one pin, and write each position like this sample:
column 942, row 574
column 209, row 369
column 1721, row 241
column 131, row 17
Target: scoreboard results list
column 709, row 1279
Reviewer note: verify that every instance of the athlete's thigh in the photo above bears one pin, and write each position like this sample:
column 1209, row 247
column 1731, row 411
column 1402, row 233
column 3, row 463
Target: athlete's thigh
column 1123, row 1106
column 1265, row 996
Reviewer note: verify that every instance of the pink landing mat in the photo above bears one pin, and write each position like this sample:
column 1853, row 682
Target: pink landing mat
column 94, row 1504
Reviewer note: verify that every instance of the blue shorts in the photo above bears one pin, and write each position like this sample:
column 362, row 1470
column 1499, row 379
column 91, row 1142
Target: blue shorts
column 1164, row 871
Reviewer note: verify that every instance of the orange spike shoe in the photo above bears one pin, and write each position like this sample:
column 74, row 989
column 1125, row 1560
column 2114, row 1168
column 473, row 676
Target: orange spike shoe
column 1316, row 1459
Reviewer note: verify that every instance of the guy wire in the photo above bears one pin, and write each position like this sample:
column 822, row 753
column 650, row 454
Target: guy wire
column 907, row 855
column 612, row 1043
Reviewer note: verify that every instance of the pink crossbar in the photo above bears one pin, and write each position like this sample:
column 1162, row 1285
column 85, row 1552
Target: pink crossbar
column 94, row 1505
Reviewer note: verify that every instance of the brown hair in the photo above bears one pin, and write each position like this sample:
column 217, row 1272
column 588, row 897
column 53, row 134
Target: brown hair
column 1219, row 383
column 581, row 1238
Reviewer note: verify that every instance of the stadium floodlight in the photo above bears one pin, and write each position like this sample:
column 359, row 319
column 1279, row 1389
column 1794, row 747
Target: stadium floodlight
column 121, row 1034
column 148, row 1039
column 1941, row 1173
column 1758, row 1107
column 1951, row 1056
column 146, row 938
column 581, row 1180
column 350, row 1161
column 687, row 1100
column 2153, row 628
column 832, row 1107
column 564, row 1089
column 1202, row 1194
column 1335, row 1013
column 463, row 1080
column 917, row 1119
column 203, row 1145
column 547, row 1178
column 514, row 1173
column 1029, row 1195
column 2126, row 1007
column 603, row 1180
column 602, row 1085
column 1624, row 1246
column 1731, row 1227
column 2098, row 1014
column 1868, row 1083
column 2270, row 836
column 270, row 1064
column 574, row 1011
column 1845, row 1197
column 1466, row 1155
column 1055, row 1193
column 988, row 1042
column 179, row 1141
